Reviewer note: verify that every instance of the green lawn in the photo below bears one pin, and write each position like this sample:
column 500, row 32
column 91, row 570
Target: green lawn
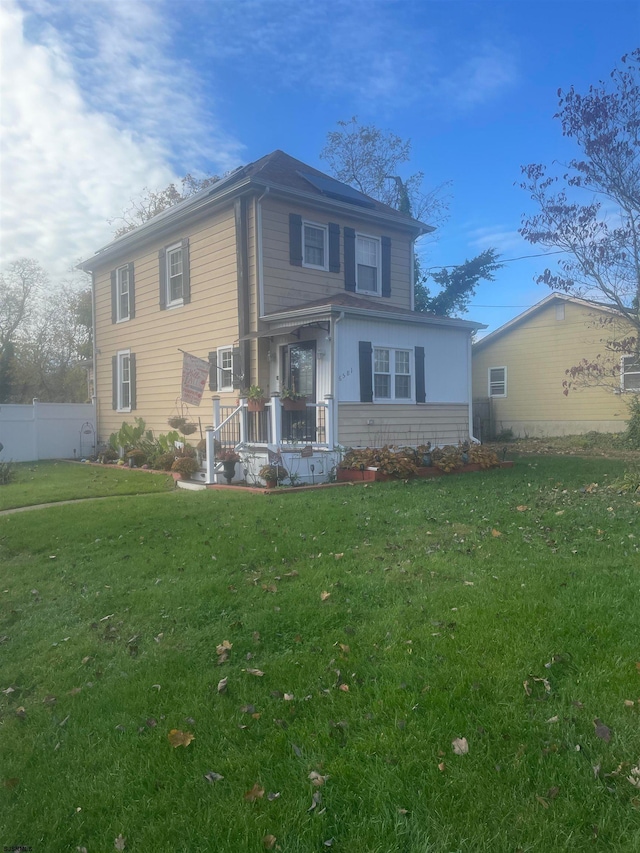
column 501, row 608
column 46, row 482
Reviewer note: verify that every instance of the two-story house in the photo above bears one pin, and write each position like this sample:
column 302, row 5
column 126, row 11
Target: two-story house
column 280, row 276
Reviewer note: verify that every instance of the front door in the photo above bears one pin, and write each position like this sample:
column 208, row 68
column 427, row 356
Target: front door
column 300, row 369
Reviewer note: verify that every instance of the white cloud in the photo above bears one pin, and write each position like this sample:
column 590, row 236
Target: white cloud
column 93, row 110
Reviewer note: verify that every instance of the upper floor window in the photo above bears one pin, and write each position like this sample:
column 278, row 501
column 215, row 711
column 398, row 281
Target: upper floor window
column 497, row 381
column 391, row 374
column 122, row 285
column 175, row 286
column 314, row 240
column 367, row 264
column 630, row 373
column 122, row 293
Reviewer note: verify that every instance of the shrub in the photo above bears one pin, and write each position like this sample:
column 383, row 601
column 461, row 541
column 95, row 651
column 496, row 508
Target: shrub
column 448, row 458
column 273, row 472
column 7, row 472
column 139, row 456
column 483, row 456
column 632, row 433
column 399, row 462
column 164, row 461
column 185, row 465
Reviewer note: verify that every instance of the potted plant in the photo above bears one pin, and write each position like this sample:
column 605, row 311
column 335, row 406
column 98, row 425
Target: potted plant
column 186, row 466
column 272, row 474
column 229, row 459
column 255, row 398
column 176, row 422
column 292, row 401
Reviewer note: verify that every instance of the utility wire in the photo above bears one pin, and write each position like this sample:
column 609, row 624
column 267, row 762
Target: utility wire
column 504, row 261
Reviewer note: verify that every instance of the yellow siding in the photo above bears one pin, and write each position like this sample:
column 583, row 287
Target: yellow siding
column 287, row 286
column 369, row 425
column 536, row 353
column 210, row 320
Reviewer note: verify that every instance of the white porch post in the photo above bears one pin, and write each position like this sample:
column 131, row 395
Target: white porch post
column 276, row 419
column 243, row 421
column 216, row 411
column 328, row 420
column 211, row 461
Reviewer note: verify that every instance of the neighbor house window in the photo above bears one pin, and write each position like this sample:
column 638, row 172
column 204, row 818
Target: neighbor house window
column 391, row 374
column 175, row 275
column 630, row 373
column 497, row 381
column 225, row 369
column 123, row 285
column 314, row 241
column 124, row 369
column 367, row 264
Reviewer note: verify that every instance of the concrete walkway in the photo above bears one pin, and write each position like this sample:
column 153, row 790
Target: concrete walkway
column 74, row 501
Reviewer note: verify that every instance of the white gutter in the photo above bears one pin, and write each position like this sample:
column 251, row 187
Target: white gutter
column 303, row 315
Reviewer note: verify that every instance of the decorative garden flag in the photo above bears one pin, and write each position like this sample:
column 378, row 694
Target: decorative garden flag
column 195, row 373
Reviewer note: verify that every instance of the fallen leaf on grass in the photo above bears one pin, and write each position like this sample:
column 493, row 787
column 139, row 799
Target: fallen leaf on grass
column 344, row 688
column 288, row 697
column 9, row 690
column 74, row 691
column 269, row 842
column 629, row 703
column 553, row 792
column 634, row 778
column 11, row 783
column 257, row 672
column 120, row 843
column 602, row 731
column 460, row 746
column 542, row 802
column 49, row 699
column 553, row 719
column 328, row 842
column 178, row 738
column 324, row 595
column 248, row 709
column 212, row 777
column 256, row 793
column 442, row 767
column 21, row 713
column 316, row 799
column 317, row 779
column 496, row 533
column 273, row 795
column 222, row 685
column 522, row 508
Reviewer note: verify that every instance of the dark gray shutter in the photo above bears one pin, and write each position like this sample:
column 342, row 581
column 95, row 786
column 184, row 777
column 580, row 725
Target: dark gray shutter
column 186, row 272
column 238, row 371
column 132, row 293
column 114, row 382
column 386, row 266
column 162, row 270
column 349, row 259
column 420, row 389
column 114, row 296
column 213, row 371
column 295, row 239
column 334, row 247
column 132, row 379
column 366, row 371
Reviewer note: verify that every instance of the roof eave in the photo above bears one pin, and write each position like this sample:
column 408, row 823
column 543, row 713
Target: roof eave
column 320, row 311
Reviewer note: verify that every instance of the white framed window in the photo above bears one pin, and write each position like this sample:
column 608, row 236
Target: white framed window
column 367, row 264
column 497, row 381
column 315, row 240
column 124, row 381
column 175, row 275
column 225, row 369
column 123, row 294
column 630, row 373
column 392, row 376
column 560, row 311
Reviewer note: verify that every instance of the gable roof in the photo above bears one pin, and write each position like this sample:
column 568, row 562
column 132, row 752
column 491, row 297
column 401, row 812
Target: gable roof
column 539, row 306
column 279, row 173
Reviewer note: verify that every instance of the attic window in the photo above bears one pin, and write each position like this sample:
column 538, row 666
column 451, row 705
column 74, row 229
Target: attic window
column 560, row 311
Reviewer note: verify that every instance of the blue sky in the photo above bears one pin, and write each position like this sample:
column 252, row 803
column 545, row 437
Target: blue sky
column 101, row 98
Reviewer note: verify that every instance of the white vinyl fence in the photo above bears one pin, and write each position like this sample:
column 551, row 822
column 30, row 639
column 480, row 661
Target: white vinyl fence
column 47, row 431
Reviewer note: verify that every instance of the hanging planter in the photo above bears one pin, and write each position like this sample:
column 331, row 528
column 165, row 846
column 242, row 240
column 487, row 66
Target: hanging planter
column 177, row 422
column 188, row 428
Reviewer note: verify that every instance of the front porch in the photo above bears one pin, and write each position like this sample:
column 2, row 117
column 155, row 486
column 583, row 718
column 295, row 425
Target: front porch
column 300, row 440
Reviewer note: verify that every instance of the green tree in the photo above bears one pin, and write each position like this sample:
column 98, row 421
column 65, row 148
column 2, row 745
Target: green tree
column 369, row 159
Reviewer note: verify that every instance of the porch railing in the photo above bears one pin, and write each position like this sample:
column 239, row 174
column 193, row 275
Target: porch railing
column 233, row 426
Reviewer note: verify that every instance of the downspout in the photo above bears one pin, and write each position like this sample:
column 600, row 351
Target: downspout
column 413, row 275
column 259, row 265
column 470, row 391
column 94, row 396
column 334, row 373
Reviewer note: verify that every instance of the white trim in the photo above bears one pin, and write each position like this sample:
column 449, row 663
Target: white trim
column 489, row 383
column 325, row 248
column 120, row 355
column 174, row 247
column 222, row 387
column 378, row 267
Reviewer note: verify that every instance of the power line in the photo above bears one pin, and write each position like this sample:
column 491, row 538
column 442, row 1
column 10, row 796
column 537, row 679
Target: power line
column 504, row 261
